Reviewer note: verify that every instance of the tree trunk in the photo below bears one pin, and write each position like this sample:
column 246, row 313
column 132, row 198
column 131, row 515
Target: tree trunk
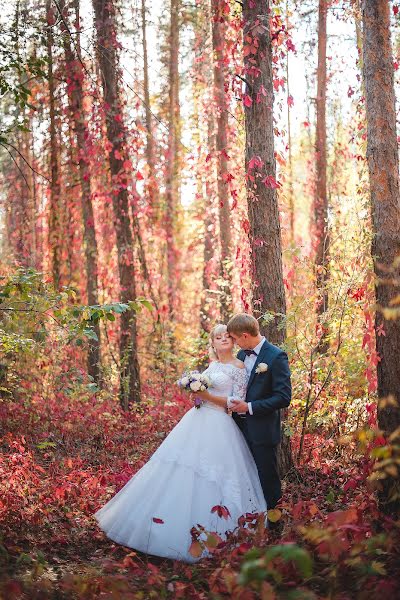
column 116, row 134
column 359, row 37
column 24, row 207
column 75, row 77
column 25, row 143
column 289, row 133
column 23, row 202
column 209, row 241
column 172, row 159
column 321, row 232
column 207, row 183
column 152, row 187
column 265, row 232
column 220, row 100
column 30, row 207
column 55, row 199
column 383, row 166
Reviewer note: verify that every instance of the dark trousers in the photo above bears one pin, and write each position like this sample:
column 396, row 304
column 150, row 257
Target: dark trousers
column 266, row 459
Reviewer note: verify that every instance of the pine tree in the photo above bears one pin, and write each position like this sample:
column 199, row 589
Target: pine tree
column 383, row 166
column 117, row 137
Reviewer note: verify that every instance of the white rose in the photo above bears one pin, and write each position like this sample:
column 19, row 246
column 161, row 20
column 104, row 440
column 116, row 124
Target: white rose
column 205, row 380
column 195, row 386
column 261, row 368
column 184, row 381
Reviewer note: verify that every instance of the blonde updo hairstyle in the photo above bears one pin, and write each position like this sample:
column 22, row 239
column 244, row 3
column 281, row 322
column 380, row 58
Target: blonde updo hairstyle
column 220, row 328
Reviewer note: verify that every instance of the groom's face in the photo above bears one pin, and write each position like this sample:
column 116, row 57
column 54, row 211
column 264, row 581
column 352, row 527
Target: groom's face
column 243, row 340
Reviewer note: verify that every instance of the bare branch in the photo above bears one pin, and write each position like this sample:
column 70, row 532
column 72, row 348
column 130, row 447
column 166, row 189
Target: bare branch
column 5, row 144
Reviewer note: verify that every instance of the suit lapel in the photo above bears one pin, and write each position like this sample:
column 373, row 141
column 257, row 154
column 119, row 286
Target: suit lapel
column 262, row 357
column 241, row 355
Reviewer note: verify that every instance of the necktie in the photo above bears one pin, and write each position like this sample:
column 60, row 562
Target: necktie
column 250, row 352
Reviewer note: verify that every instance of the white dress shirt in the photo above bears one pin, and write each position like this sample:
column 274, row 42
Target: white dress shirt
column 249, row 362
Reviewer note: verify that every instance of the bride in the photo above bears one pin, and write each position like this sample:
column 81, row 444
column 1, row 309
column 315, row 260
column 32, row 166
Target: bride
column 203, row 463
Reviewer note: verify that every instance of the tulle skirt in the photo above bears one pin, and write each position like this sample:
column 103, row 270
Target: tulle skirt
column 204, row 462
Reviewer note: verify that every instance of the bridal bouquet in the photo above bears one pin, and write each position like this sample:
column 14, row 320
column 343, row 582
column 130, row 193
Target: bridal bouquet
column 194, row 382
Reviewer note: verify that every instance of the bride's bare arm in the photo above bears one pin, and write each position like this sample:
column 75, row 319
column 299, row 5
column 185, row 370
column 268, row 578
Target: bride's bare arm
column 219, row 400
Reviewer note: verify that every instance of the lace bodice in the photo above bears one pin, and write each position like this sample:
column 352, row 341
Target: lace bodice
column 226, row 380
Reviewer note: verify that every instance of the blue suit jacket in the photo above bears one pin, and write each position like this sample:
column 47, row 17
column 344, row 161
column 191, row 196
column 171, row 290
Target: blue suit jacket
column 268, row 392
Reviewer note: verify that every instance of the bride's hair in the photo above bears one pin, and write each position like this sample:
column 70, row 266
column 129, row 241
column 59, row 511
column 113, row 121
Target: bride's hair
column 220, row 328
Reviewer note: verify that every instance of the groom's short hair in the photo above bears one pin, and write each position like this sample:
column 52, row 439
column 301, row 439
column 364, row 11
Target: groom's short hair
column 243, row 323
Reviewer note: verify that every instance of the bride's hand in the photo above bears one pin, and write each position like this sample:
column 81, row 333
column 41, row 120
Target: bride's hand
column 238, row 406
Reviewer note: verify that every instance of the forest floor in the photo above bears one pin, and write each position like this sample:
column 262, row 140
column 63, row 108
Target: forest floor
column 63, row 457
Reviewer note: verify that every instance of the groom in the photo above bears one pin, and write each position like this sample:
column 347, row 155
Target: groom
column 268, row 390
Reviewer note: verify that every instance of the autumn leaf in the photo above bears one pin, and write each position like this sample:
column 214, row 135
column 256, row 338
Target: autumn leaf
column 274, row 514
column 351, row 484
column 246, row 50
column 222, row 511
column 244, row 547
column 343, row 517
column 254, row 162
column 213, row 540
column 227, row 177
column 277, row 83
column 290, row 45
column 378, row 567
column 262, row 90
column 246, row 225
column 247, row 101
column 195, row 549
column 270, row 182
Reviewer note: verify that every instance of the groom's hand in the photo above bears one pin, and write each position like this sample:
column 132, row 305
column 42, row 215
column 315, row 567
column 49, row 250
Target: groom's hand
column 238, row 406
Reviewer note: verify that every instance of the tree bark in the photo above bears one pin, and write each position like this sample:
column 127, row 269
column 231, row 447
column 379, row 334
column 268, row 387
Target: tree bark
column 321, row 233
column 24, row 248
column 221, row 105
column 116, row 134
column 289, row 133
column 265, row 231
column 209, row 241
column 172, row 159
column 75, row 77
column 24, row 238
column 55, row 199
column 23, row 204
column 153, row 190
column 383, row 166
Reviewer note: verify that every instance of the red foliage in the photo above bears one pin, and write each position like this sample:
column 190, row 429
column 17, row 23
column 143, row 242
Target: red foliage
column 63, row 457
column 221, row 511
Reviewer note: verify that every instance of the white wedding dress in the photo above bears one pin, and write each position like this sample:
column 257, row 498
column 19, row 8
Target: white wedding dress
column 203, row 462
